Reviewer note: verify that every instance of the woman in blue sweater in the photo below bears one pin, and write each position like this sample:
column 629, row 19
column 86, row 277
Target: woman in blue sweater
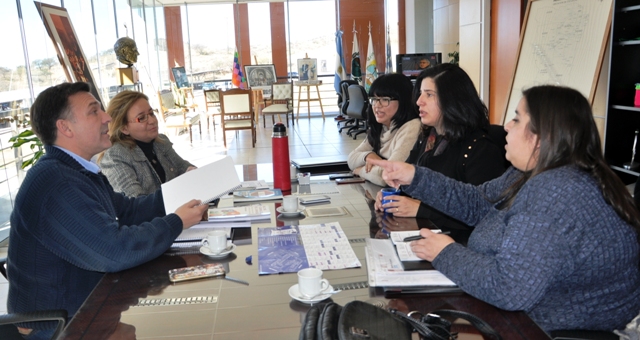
column 556, row 236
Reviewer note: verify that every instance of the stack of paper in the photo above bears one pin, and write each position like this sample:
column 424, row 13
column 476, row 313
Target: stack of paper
column 246, row 213
column 385, row 270
column 257, row 195
column 199, row 231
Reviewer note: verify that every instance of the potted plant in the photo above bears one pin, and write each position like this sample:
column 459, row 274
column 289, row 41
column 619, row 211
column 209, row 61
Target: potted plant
column 455, row 56
column 27, row 137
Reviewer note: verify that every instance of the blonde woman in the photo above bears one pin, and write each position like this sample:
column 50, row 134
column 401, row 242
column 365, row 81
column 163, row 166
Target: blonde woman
column 140, row 159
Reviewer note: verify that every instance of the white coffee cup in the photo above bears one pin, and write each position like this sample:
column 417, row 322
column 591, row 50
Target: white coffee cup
column 216, row 241
column 290, row 203
column 311, row 283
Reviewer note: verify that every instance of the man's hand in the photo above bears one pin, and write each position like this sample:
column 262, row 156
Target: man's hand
column 191, row 213
column 395, row 173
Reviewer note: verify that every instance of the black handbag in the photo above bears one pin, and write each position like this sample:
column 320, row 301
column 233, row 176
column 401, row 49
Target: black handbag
column 359, row 320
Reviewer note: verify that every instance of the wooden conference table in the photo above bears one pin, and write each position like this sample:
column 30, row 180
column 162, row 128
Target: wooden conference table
column 141, row 302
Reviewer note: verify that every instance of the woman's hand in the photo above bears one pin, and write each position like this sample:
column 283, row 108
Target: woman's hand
column 191, row 213
column 431, row 245
column 378, row 204
column 402, row 207
column 191, row 168
column 395, row 173
column 370, row 157
column 356, row 171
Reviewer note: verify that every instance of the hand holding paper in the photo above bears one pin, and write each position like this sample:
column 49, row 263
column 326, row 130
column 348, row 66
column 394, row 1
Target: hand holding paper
column 191, row 213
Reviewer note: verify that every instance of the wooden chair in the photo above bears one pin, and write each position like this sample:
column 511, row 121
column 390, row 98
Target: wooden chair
column 237, row 113
column 173, row 116
column 212, row 102
column 281, row 103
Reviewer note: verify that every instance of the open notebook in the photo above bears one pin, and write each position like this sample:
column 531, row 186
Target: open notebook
column 206, row 183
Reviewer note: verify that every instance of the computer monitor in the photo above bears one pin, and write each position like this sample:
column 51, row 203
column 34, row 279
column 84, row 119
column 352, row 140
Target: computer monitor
column 413, row 63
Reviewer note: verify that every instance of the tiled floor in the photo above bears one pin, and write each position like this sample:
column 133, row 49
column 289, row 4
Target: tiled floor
column 312, row 137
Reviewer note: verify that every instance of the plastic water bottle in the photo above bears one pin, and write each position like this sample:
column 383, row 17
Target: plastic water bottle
column 280, row 159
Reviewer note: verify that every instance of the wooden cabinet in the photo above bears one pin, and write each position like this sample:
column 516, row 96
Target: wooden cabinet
column 622, row 117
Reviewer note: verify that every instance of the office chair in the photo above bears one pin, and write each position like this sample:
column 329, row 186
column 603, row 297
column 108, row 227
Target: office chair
column 343, row 101
column 7, row 329
column 498, row 136
column 357, row 109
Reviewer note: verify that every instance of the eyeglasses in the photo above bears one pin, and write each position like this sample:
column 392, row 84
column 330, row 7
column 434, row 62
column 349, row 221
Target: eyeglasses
column 384, row 101
column 144, row 118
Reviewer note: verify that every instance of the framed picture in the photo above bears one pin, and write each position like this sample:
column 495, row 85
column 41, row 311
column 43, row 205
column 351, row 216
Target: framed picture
column 261, row 77
column 180, row 77
column 74, row 63
column 308, row 70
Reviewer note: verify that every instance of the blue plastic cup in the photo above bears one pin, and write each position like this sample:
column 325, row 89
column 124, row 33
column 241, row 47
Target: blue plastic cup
column 389, row 192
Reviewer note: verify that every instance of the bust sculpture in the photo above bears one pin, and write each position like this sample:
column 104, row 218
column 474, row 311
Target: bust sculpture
column 126, row 51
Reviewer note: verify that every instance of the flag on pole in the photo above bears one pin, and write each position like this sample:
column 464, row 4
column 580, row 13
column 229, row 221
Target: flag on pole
column 356, row 72
column 340, row 73
column 389, row 60
column 237, row 78
column 372, row 72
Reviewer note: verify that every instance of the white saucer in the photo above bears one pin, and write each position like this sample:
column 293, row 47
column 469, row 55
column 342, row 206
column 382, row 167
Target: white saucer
column 290, row 213
column 294, row 292
column 205, row 250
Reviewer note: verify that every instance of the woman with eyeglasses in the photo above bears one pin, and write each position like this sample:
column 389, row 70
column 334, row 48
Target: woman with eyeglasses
column 556, row 236
column 393, row 123
column 454, row 142
column 140, row 159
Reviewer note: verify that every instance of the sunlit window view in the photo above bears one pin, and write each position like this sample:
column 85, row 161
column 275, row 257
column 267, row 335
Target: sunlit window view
column 209, row 35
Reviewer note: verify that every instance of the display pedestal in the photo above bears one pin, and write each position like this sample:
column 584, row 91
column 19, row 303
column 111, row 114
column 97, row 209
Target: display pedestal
column 128, row 76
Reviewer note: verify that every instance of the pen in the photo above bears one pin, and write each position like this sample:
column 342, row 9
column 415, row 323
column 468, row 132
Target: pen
column 419, row 237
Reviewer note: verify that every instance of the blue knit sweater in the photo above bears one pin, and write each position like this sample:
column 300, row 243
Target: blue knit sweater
column 559, row 253
column 68, row 227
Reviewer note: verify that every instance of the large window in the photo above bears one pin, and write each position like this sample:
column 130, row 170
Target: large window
column 209, row 44
column 312, row 29
column 260, row 33
column 27, row 70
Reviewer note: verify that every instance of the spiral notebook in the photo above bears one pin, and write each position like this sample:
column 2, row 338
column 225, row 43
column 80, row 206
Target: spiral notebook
column 206, row 183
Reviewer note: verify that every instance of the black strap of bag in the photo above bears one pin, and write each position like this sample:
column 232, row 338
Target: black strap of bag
column 429, row 327
column 359, row 320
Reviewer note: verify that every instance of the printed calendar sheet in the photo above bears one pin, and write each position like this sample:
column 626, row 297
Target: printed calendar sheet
column 291, row 248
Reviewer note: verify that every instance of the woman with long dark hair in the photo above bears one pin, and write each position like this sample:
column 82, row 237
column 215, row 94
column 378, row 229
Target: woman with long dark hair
column 393, row 126
column 455, row 140
column 556, row 236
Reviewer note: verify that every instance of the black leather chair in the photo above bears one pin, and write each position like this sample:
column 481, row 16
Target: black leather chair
column 7, row 329
column 343, row 91
column 357, row 109
column 343, row 103
column 9, row 332
column 497, row 135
